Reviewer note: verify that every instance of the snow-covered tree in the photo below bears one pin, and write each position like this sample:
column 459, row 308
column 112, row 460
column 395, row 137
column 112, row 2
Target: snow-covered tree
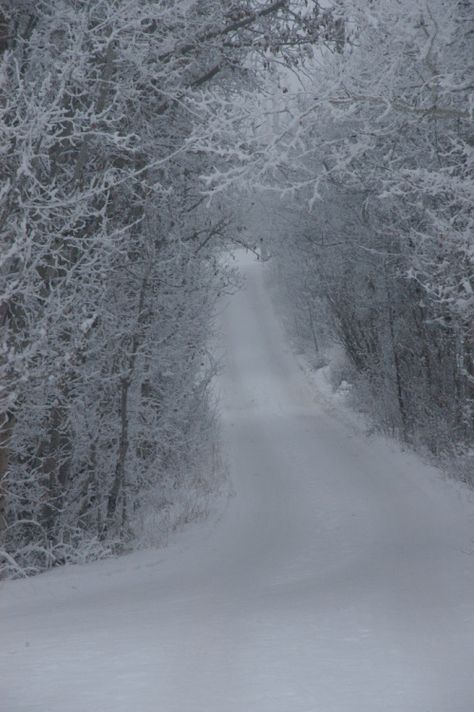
column 370, row 153
column 110, row 259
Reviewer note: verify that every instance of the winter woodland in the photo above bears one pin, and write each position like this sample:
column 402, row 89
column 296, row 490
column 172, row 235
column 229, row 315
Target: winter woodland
column 140, row 140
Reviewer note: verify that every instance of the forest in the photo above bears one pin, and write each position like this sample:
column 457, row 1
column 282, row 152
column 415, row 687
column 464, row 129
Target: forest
column 140, row 141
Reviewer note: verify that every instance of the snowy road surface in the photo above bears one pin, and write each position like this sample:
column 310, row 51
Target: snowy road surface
column 339, row 579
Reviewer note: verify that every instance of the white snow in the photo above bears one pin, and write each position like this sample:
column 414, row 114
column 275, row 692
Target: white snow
column 340, row 578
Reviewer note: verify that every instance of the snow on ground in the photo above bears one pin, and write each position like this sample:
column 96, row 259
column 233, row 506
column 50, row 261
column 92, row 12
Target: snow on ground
column 340, row 577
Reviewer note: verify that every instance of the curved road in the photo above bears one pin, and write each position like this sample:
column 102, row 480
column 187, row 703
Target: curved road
column 340, row 577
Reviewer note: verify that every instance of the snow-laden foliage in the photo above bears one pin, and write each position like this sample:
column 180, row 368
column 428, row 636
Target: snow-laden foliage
column 370, row 152
column 110, row 261
column 391, row 231
column 107, row 284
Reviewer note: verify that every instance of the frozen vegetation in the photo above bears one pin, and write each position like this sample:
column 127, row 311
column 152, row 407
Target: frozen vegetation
column 236, row 309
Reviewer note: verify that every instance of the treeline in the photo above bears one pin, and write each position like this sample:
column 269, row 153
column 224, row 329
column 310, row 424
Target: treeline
column 109, row 273
column 110, row 261
column 375, row 240
column 363, row 156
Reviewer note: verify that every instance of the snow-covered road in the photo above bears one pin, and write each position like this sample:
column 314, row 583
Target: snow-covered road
column 339, row 579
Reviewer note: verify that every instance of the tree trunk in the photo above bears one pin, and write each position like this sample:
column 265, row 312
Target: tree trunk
column 119, row 481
